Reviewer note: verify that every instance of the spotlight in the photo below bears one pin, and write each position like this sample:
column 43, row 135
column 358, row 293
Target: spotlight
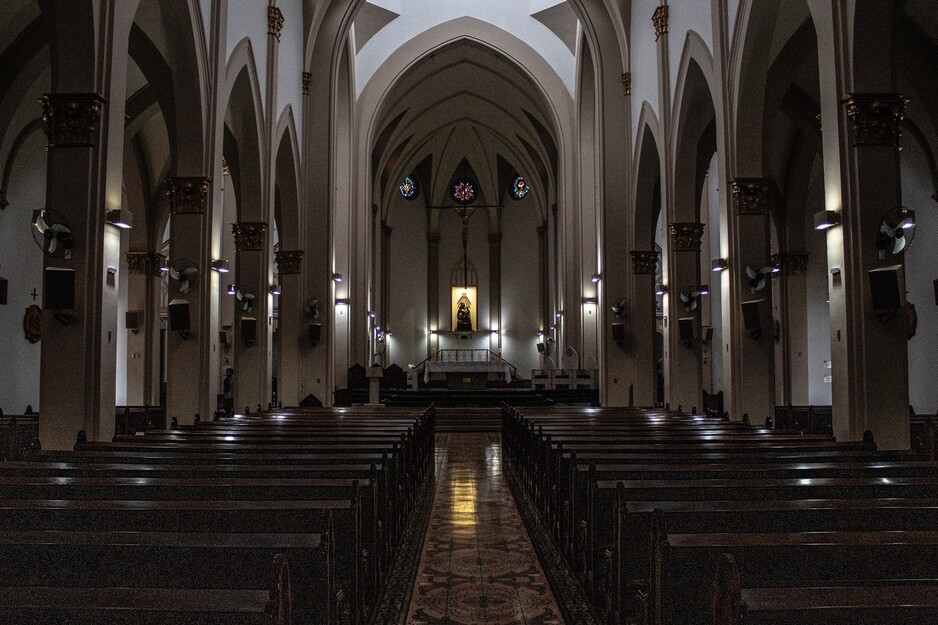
column 596, row 278
column 121, row 218
column 718, row 264
column 826, row 219
column 220, row 265
column 275, row 289
column 231, row 289
column 704, row 289
column 590, row 301
column 661, row 289
column 337, row 277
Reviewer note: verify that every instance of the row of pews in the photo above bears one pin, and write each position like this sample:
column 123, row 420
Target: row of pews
column 671, row 519
column 294, row 517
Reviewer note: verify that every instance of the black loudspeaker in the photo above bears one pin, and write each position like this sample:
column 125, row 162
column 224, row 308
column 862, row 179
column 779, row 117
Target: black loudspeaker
column 59, row 288
column 685, row 328
column 315, row 333
column 248, row 330
column 4, row 283
column 222, row 337
column 540, row 348
column 618, row 333
column 132, row 320
column 708, row 334
column 751, row 318
column 887, row 290
column 179, row 316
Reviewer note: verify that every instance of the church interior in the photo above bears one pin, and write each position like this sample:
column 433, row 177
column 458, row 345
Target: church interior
column 510, row 311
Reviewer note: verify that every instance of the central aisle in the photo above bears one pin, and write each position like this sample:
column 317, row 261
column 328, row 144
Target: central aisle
column 478, row 564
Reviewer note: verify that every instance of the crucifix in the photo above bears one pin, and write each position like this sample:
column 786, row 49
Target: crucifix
column 34, row 294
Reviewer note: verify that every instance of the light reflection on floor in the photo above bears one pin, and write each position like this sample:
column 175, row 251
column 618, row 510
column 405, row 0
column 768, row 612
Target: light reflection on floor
column 477, row 565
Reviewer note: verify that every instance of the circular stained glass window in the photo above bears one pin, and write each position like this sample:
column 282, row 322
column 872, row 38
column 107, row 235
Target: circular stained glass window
column 408, row 188
column 463, row 191
column 519, row 188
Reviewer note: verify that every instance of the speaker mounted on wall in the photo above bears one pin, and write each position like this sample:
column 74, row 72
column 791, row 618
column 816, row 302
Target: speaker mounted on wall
column 179, row 318
column 752, row 319
column 685, row 328
column 887, row 291
column 248, row 331
column 59, row 292
column 315, row 333
column 132, row 320
column 618, row 333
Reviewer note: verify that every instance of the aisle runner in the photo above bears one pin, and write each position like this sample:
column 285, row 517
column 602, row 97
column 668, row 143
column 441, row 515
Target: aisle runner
column 477, row 565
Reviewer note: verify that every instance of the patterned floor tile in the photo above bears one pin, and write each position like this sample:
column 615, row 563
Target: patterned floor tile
column 478, row 566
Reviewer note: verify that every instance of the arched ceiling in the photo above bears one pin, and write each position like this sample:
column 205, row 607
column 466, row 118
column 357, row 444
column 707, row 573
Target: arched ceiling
column 549, row 27
column 464, row 101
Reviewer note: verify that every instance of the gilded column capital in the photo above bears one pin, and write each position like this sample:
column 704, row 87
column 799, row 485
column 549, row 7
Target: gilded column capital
column 660, row 19
column 751, row 196
column 274, row 21
column 685, row 236
column 644, row 262
column 289, row 262
column 875, row 117
column 71, row 119
column 249, row 235
column 307, row 79
column 627, row 83
column 791, row 263
column 187, row 195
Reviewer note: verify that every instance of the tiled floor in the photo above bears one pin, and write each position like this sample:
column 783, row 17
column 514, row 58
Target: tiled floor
column 477, row 565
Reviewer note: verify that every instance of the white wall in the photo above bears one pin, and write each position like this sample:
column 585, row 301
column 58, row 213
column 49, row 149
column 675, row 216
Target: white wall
column 644, row 65
column 290, row 64
column 407, row 317
column 21, row 265
column 248, row 18
column 818, row 311
column 684, row 17
column 921, row 268
column 520, row 307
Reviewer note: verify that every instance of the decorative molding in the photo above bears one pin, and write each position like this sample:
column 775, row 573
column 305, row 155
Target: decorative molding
column 627, row 82
column 249, row 235
column 145, row 263
column 137, row 263
column 751, row 196
column 225, row 167
column 71, row 119
column 187, row 195
column 660, row 19
column 289, row 262
column 644, row 263
column 686, row 236
column 307, row 79
column 791, row 263
column 274, row 22
column 875, row 117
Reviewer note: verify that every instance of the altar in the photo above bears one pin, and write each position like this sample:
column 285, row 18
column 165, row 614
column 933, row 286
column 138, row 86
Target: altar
column 467, row 368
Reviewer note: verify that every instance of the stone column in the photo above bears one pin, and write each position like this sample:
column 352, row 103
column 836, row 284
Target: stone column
column 72, row 383
column 495, row 291
column 752, row 351
column 869, row 352
column 543, row 290
column 792, row 292
column 386, row 231
column 252, row 362
column 433, row 291
column 143, row 343
column 639, row 329
column 188, row 358
column 292, row 328
column 682, row 371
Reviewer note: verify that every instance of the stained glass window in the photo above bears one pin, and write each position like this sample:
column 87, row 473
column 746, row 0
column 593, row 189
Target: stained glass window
column 463, row 191
column 408, row 188
column 519, row 188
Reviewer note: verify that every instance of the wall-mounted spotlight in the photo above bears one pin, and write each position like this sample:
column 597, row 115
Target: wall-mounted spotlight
column 121, row 218
column 704, row 289
column 337, row 277
column 718, row 264
column 274, row 289
column 661, row 289
column 596, row 278
column 231, row 289
column 826, row 219
column 220, row 265
column 559, row 314
column 590, row 301
column 372, row 314
column 342, row 301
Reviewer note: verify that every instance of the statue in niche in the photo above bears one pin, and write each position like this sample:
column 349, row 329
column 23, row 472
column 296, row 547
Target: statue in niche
column 464, row 314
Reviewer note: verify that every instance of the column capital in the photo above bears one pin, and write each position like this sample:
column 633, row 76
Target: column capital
column 644, row 262
column 145, row 263
column 660, row 19
column 71, row 119
column 187, row 195
column 274, row 21
column 685, row 236
column 289, row 262
column 875, row 117
column 791, row 263
column 751, row 196
column 249, row 235
column 627, row 83
column 307, row 79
